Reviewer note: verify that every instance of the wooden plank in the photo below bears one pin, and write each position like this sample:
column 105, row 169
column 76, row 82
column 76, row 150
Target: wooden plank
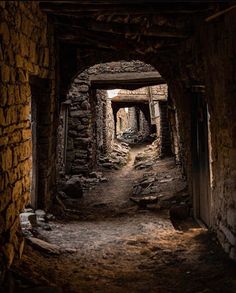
column 123, row 8
column 220, row 13
column 125, row 29
column 130, row 99
column 126, row 80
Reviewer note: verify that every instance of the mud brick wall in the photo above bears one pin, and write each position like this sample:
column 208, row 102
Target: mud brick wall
column 25, row 50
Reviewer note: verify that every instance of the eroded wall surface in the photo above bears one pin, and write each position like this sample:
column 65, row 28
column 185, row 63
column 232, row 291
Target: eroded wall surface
column 87, row 112
column 26, row 50
column 208, row 59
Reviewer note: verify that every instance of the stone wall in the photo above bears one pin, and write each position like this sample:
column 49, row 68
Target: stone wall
column 110, row 127
column 122, row 121
column 100, row 131
column 25, row 50
column 220, row 95
column 132, row 119
column 208, row 59
column 144, row 128
column 87, row 112
column 174, row 132
column 80, row 128
column 121, row 67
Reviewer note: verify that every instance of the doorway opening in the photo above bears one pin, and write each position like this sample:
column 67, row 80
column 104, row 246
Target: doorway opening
column 200, row 157
column 40, row 121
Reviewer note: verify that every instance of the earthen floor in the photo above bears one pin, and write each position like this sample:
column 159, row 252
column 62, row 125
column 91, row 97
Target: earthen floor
column 114, row 246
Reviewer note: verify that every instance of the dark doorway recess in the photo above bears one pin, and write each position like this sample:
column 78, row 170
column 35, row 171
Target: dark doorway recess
column 40, row 121
column 200, row 158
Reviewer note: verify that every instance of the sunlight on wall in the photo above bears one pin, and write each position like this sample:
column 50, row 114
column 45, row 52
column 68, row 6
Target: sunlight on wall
column 112, row 93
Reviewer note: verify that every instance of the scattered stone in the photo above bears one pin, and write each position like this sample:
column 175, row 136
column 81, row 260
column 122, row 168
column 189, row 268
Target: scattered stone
column 131, row 136
column 33, row 220
column 28, row 210
column 73, row 188
column 166, row 180
column 148, row 158
column 168, row 189
column 43, row 246
column 46, row 227
column 40, row 214
column 24, row 218
column 117, row 158
column 95, row 175
column 144, row 201
column 49, row 217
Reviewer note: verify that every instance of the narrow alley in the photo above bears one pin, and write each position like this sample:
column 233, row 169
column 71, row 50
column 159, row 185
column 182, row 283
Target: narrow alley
column 117, row 146
column 113, row 245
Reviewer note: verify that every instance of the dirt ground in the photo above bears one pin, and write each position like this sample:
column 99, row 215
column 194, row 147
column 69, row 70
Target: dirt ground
column 114, row 246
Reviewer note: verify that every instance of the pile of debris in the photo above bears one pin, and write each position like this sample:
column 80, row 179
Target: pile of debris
column 32, row 221
column 132, row 136
column 32, row 225
column 149, row 157
column 117, row 158
column 165, row 189
column 71, row 190
column 75, row 185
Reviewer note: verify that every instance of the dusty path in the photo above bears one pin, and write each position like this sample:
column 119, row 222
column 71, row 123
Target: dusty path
column 111, row 198
column 116, row 247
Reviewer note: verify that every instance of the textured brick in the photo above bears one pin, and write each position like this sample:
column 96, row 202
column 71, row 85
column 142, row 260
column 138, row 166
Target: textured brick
column 4, row 31
column 6, row 156
column 5, row 73
column 17, row 191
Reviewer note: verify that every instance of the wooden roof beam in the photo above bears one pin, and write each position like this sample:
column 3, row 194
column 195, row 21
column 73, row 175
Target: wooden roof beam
column 119, row 7
column 124, row 29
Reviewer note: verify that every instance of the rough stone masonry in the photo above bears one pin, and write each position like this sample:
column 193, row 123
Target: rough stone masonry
column 26, row 50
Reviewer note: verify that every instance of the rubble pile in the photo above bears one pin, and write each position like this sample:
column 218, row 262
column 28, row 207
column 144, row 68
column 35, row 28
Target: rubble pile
column 149, row 157
column 33, row 221
column 117, row 158
column 132, row 136
column 74, row 186
column 163, row 190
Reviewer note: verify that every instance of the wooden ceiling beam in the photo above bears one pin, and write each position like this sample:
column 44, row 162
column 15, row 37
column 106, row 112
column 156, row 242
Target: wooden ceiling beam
column 122, row 9
column 142, row 48
column 128, row 30
column 111, row 39
column 120, row 2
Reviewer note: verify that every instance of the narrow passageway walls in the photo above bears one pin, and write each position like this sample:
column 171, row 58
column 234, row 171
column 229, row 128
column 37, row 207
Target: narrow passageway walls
column 202, row 64
column 26, row 49
column 199, row 68
column 122, row 121
column 88, row 131
column 205, row 66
